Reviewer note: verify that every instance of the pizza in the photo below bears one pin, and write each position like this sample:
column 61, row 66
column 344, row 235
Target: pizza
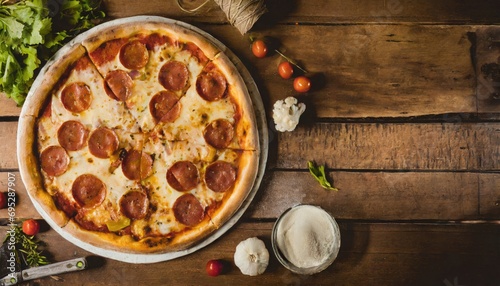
column 141, row 139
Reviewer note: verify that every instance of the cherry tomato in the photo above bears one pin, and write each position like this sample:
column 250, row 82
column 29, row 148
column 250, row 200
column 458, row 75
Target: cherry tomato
column 259, row 48
column 3, row 200
column 285, row 69
column 214, row 267
column 302, row 84
column 31, row 227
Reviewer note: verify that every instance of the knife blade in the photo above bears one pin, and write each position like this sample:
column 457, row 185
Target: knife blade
column 43, row 271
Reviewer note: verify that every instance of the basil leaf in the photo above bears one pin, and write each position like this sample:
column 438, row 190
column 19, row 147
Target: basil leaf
column 318, row 173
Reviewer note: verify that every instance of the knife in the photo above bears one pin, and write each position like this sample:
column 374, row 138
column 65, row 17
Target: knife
column 43, row 271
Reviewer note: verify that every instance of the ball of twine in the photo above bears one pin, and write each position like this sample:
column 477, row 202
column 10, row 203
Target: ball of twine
column 242, row 14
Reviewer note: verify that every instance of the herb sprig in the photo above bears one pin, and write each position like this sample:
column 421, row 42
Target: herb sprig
column 28, row 247
column 318, row 173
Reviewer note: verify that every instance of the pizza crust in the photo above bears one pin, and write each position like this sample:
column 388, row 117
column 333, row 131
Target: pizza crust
column 127, row 244
column 246, row 130
column 129, row 30
column 233, row 199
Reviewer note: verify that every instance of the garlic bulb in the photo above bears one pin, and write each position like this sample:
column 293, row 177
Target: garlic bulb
column 251, row 256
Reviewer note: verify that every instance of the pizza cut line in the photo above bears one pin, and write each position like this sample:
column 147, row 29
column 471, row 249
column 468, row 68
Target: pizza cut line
column 146, row 141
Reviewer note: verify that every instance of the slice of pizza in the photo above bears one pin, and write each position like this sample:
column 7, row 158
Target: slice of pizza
column 217, row 112
column 148, row 69
column 216, row 180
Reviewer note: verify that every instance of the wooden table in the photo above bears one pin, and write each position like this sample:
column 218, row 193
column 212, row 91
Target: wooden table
column 405, row 121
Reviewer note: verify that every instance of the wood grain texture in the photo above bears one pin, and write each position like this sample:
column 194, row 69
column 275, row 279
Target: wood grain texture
column 364, row 70
column 351, row 146
column 490, row 195
column 326, row 11
column 8, row 107
column 362, row 196
column 378, row 195
column 461, row 250
column 8, row 157
column 368, row 70
column 426, row 146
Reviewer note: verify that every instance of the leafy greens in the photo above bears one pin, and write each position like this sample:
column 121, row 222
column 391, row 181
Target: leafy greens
column 29, row 36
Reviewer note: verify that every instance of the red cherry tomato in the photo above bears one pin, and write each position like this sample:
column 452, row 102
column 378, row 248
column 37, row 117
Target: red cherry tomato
column 302, row 84
column 3, row 200
column 259, row 48
column 285, row 69
column 31, row 227
column 214, row 267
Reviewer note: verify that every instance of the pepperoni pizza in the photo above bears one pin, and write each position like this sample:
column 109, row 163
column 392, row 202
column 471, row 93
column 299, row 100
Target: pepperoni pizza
column 144, row 139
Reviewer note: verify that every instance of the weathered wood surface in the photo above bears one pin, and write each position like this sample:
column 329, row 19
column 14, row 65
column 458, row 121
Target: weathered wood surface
column 364, row 70
column 326, row 11
column 373, row 146
column 369, row 252
column 395, row 196
column 399, row 120
column 364, row 146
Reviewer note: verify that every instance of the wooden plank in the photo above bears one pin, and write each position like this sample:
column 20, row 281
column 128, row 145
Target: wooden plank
column 321, row 11
column 368, row 70
column 8, row 107
column 365, row 70
column 362, row 196
column 489, row 185
column 8, row 152
column 24, row 207
column 377, row 196
column 426, row 146
column 486, row 63
column 385, row 254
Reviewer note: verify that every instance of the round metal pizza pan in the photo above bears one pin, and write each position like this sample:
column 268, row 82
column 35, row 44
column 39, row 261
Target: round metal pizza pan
column 263, row 141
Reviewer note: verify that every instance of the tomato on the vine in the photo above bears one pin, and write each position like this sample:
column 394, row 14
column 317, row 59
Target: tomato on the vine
column 214, row 267
column 302, row 84
column 31, row 227
column 259, row 48
column 285, row 70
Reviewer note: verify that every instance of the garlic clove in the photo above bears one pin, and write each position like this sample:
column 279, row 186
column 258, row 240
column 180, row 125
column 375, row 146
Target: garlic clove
column 251, row 256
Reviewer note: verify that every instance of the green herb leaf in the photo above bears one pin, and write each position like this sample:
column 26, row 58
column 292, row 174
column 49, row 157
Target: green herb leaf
column 318, row 173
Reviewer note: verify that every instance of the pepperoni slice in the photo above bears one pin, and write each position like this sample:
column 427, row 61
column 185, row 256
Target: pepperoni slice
column 134, row 55
column 120, row 83
column 219, row 133
column 155, row 39
column 220, row 176
column 109, row 92
column 211, row 85
column 183, row 176
column 54, row 160
column 76, row 97
column 103, row 142
column 134, row 204
column 137, row 165
column 196, row 52
column 165, row 106
column 173, row 75
column 72, row 135
column 88, row 190
column 188, row 210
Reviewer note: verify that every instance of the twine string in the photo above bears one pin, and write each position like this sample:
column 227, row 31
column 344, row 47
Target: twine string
column 192, row 10
column 240, row 13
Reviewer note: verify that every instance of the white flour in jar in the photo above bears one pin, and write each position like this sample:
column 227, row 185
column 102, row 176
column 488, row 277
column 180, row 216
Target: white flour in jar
column 305, row 236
